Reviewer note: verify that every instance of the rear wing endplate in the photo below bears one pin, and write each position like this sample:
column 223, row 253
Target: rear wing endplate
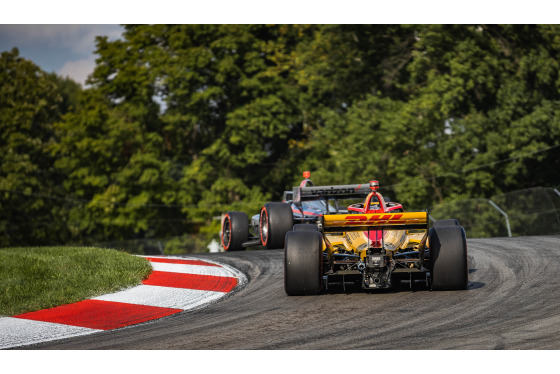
column 365, row 222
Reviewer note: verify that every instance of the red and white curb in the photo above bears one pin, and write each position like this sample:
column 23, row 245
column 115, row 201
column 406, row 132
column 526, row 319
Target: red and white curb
column 175, row 285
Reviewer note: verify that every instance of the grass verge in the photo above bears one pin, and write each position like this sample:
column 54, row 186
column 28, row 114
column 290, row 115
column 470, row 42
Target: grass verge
column 44, row 277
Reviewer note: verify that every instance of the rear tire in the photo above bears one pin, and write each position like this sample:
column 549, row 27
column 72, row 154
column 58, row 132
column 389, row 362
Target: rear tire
column 303, row 263
column 275, row 221
column 235, row 231
column 446, row 222
column 448, row 253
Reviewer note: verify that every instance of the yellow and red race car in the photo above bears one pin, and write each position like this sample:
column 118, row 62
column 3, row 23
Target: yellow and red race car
column 374, row 245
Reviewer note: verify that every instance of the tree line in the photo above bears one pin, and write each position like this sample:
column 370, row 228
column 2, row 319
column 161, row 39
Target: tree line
column 179, row 123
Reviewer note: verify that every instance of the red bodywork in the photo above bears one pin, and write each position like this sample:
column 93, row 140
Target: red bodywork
column 379, row 206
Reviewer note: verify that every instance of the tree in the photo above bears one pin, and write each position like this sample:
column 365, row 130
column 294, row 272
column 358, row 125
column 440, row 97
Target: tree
column 474, row 109
column 181, row 123
column 32, row 204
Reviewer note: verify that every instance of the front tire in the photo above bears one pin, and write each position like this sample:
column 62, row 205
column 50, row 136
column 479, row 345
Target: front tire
column 235, row 231
column 275, row 221
column 303, row 263
column 448, row 253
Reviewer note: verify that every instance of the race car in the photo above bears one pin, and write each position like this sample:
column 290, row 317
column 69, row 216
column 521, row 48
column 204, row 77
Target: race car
column 373, row 246
column 305, row 204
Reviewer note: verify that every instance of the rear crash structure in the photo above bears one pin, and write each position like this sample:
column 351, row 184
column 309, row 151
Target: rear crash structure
column 374, row 251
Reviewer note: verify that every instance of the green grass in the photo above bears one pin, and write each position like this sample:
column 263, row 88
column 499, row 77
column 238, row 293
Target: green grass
column 44, row 277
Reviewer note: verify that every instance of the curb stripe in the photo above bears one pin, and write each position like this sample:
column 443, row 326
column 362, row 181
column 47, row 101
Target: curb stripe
column 217, row 271
column 15, row 332
column 165, row 297
column 178, row 261
column 191, row 281
column 98, row 314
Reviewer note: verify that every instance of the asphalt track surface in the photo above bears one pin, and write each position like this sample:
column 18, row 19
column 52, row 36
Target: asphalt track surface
column 513, row 302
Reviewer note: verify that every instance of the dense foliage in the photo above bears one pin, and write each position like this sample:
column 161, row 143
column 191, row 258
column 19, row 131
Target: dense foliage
column 181, row 123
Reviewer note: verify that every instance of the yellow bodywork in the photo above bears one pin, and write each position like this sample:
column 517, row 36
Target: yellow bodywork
column 356, row 241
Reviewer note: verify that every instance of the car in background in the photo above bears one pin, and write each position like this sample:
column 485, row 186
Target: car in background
column 305, row 204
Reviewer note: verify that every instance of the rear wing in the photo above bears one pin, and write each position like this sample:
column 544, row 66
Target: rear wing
column 365, row 222
column 347, row 191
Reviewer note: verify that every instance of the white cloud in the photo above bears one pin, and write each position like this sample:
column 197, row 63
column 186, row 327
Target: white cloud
column 78, row 70
column 66, row 49
column 79, row 39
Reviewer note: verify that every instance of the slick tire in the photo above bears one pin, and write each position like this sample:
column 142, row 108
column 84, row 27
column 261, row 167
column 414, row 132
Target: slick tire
column 446, row 222
column 448, row 253
column 235, row 231
column 275, row 221
column 303, row 263
column 305, row 227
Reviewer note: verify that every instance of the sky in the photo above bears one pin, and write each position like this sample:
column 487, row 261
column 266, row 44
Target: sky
column 67, row 50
